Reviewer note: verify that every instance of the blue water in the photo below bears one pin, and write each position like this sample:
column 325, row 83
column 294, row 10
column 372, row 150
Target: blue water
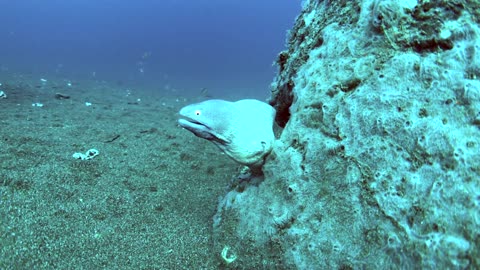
column 224, row 46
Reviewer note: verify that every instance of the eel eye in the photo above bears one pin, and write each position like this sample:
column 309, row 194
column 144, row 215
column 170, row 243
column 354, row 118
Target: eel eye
column 198, row 112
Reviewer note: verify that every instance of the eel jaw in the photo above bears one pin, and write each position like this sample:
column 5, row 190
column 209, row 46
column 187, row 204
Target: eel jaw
column 201, row 130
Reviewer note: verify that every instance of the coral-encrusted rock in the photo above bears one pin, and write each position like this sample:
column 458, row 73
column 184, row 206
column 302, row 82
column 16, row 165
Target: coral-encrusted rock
column 378, row 165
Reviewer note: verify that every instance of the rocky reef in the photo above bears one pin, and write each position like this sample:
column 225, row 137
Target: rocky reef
column 378, row 163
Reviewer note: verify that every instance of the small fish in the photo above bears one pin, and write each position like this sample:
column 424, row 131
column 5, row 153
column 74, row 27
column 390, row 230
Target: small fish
column 204, row 92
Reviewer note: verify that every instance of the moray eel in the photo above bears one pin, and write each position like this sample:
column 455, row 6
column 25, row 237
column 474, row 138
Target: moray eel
column 242, row 129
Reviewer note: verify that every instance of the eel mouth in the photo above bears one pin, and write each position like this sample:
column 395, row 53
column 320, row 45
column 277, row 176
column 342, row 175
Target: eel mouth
column 189, row 123
column 201, row 130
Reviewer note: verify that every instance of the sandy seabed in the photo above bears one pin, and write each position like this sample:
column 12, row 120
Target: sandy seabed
column 145, row 202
